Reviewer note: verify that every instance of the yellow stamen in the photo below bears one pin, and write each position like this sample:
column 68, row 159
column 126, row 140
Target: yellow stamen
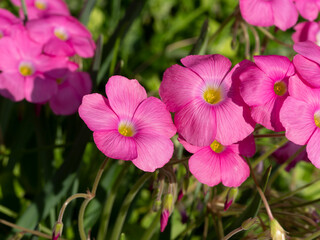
column 280, row 88
column 59, row 80
column 61, row 34
column 1, row 34
column 41, row 5
column 317, row 120
column 126, row 130
column 216, row 146
column 212, row 96
column 25, row 70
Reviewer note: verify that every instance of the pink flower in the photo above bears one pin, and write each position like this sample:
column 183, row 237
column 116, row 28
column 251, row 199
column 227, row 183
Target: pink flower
column 72, row 86
column 300, row 115
column 307, row 31
column 206, row 105
column 217, row 163
column 7, row 22
column 264, row 88
column 43, row 8
column 308, row 9
column 281, row 13
column 23, row 67
column 307, row 62
column 62, row 36
column 286, row 151
column 164, row 220
column 128, row 125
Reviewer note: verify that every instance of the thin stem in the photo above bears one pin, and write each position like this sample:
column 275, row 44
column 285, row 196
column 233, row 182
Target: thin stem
column 36, row 233
column 25, row 12
column 264, row 200
column 177, row 161
column 126, row 204
column 105, row 216
column 269, row 152
column 270, row 36
column 65, row 204
column 235, row 231
column 313, row 236
column 246, row 39
column 88, row 199
column 271, row 135
column 256, row 40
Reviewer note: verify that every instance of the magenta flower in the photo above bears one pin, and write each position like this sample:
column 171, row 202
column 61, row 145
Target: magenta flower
column 23, row 66
column 300, row 115
column 72, row 86
column 307, row 31
column 7, row 22
column 205, row 104
column 220, row 163
column 43, row 8
column 264, row 88
column 128, row 125
column 62, row 36
column 281, row 13
column 307, row 62
column 308, row 9
column 285, row 152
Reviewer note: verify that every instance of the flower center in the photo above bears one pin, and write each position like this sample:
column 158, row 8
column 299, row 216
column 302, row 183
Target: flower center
column 61, row 33
column 41, row 5
column 126, row 129
column 280, row 88
column 26, row 69
column 59, row 80
column 317, row 119
column 212, row 96
column 217, row 147
column 1, row 34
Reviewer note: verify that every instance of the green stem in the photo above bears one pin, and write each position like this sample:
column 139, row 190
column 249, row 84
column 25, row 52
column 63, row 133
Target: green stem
column 313, row 236
column 151, row 229
column 235, row 231
column 270, row 36
column 24, row 9
column 269, row 135
column 269, row 152
column 126, row 204
column 105, row 216
column 88, row 199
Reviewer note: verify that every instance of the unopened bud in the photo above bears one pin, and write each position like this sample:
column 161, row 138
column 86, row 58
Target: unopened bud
column 156, row 205
column 277, row 232
column 264, row 235
column 168, row 203
column 164, row 220
column 231, row 197
column 247, row 224
column 180, row 195
column 57, row 231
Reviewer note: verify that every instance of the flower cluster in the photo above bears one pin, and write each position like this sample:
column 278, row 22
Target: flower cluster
column 36, row 60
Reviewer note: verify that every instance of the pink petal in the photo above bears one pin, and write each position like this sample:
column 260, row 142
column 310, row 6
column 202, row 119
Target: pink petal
column 275, row 67
column 57, row 47
column 124, row 95
column 247, row 146
column 309, row 70
column 256, row 87
column 179, row 86
column 190, row 148
column 205, row 166
column 234, row 169
column 10, row 55
column 309, row 50
column 12, row 86
column 308, row 9
column 95, row 111
column 297, row 118
column 39, row 89
column 211, row 68
column 306, row 31
column 83, row 46
column 196, row 122
column 164, row 220
column 231, row 124
column 152, row 117
column 257, row 12
column 154, row 151
column 301, row 91
column 114, row 145
column 66, row 101
column 39, row 30
column 285, row 14
column 313, row 149
column 80, row 81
